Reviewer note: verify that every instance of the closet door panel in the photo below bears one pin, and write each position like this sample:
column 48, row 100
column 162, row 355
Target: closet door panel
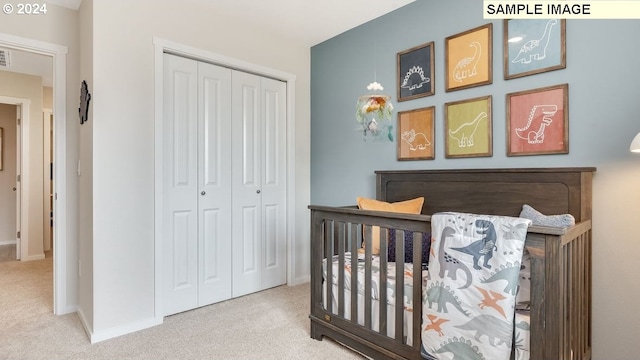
column 214, row 179
column 180, row 180
column 246, row 171
column 274, row 131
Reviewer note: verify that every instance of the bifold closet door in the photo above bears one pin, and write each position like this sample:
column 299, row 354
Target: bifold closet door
column 259, row 187
column 197, row 184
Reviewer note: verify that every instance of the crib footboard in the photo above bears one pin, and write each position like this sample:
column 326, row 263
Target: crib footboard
column 354, row 318
column 560, row 286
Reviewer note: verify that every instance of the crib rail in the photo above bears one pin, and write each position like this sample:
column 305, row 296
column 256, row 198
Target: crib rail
column 560, row 286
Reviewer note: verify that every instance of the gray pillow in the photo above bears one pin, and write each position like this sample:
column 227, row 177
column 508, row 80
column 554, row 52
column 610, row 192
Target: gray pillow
column 538, row 218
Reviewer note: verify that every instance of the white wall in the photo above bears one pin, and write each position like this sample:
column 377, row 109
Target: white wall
column 60, row 26
column 123, row 142
column 85, row 180
column 8, row 174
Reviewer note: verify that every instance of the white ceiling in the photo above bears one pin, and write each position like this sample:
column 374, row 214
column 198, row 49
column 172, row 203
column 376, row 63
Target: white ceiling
column 304, row 21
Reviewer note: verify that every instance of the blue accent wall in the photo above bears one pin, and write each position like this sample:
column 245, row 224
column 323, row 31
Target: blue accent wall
column 601, row 73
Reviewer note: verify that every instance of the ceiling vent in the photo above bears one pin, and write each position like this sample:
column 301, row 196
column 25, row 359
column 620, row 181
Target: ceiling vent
column 5, row 59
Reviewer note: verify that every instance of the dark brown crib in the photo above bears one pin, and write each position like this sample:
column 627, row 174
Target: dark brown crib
column 560, row 258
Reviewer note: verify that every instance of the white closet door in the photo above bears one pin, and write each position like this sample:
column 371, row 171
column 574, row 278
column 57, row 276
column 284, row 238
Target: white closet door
column 274, row 132
column 214, row 164
column 180, row 180
column 247, row 165
column 259, row 165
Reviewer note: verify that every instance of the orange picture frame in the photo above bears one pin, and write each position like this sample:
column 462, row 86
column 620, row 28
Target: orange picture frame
column 468, row 58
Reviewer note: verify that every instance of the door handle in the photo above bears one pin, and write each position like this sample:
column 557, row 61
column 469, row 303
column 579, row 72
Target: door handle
column 257, row 191
column 14, row 188
column 203, row 193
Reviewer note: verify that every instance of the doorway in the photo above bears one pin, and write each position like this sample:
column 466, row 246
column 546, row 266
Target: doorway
column 65, row 275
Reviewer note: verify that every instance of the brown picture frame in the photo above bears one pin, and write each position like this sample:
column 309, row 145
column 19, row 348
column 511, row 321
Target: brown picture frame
column 533, row 46
column 469, row 58
column 538, row 121
column 415, row 72
column 468, row 128
column 416, row 134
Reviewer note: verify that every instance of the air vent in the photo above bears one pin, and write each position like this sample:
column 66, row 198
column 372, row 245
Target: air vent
column 5, row 58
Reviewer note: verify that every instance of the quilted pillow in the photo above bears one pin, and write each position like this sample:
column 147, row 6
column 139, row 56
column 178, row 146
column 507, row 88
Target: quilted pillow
column 408, row 246
column 413, row 206
column 538, row 218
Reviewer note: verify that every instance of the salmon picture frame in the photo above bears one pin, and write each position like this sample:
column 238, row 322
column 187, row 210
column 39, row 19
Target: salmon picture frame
column 538, row 121
column 416, row 134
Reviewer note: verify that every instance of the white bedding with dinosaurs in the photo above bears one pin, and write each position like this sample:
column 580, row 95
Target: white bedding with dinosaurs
column 438, row 310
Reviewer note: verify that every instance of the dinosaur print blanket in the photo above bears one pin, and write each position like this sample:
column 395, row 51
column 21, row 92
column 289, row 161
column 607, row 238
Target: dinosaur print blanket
column 469, row 303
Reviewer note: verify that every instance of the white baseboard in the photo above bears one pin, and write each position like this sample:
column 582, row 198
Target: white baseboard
column 7, row 242
column 300, row 280
column 107, row 334
column 33, row 257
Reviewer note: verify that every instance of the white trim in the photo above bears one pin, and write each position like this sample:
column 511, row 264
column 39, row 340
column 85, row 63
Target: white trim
column 162, row 46
column 122, row 330
column 61, row 304
column 8, row 242
column 32, row 257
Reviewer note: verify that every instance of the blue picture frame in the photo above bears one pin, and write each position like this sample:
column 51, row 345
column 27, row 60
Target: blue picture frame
column 533, row 46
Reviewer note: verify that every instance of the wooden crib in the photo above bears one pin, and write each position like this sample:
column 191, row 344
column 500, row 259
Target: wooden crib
column 560, row 257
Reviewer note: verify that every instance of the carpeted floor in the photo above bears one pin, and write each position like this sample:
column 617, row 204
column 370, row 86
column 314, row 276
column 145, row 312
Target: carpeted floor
column 271, row 324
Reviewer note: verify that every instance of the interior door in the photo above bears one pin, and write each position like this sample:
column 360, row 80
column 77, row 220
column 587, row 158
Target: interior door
column 259, row 188
column 180, row 180
column 214, row 178
column 247, row 198
column 274, row 131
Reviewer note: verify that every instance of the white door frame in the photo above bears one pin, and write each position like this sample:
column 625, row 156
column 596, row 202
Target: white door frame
column 61, row 304
column 22, row 218
column 161, row 46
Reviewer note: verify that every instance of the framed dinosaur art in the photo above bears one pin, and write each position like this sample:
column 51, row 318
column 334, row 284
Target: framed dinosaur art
column 468, row 58
column 415, row 70
column 538, row 121
column 416, row 134
column 467, row 128
column 533, row 46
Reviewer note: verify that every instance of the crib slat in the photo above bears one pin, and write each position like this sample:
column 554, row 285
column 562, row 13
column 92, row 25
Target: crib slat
column 383, row 283
column 356, row 239
column 399, row 290
column 367, row 280
column 328, row 255
column 340, row 234
column 417, row 292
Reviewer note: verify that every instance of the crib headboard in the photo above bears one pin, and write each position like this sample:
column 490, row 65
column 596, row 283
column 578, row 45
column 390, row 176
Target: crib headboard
column 492, row 191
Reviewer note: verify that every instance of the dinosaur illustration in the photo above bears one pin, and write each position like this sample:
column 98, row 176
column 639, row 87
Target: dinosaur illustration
column 539, row 119
column 509, row 273
column 417, row 83
column 514, row 232
column 492, row 327
column 464, row 133
column 467, row 67
column 483, row 247
column 535, row 49
column 461, row 348
column 435, row 324
column 442, row 295
column 490, row 299
column 448, row 264
column 416, row 141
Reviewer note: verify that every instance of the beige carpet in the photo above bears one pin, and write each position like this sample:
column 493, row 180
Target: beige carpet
column 272, row 324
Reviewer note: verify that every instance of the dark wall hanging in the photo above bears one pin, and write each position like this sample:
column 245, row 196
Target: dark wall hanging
column 85, row 97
